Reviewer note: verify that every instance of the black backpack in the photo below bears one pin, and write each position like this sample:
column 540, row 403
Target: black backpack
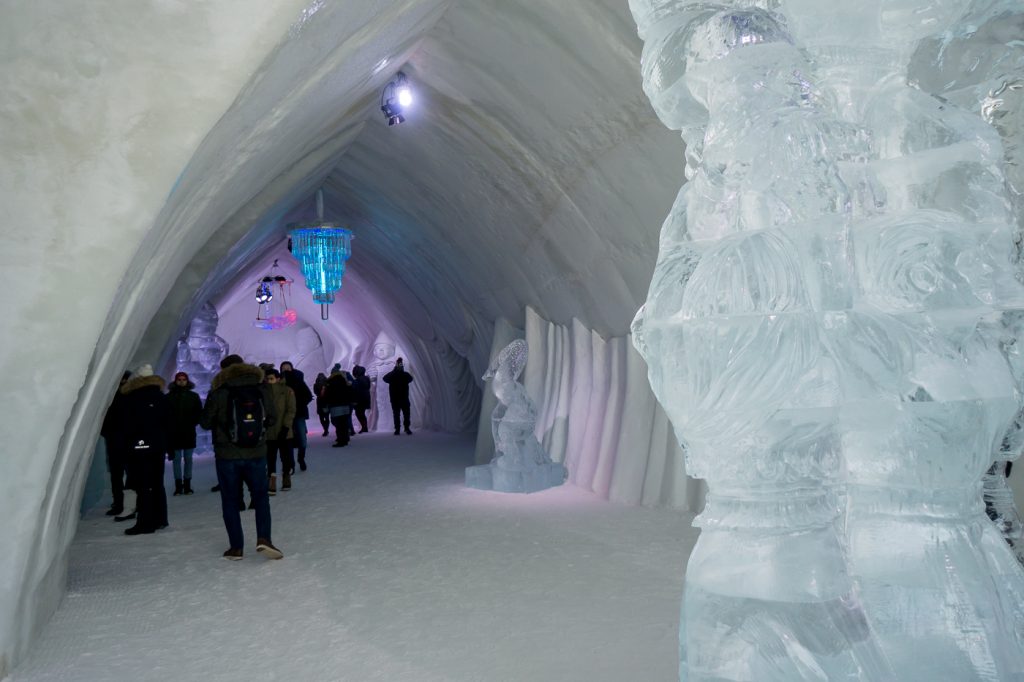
column 247, row 415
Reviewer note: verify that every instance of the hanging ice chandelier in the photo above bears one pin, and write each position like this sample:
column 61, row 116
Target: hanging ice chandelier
column 321, row 249
column 272, row 292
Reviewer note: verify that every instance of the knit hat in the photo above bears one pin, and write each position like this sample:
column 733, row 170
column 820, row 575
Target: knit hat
column 336, row 368
column 181, row 374
column 144, row 370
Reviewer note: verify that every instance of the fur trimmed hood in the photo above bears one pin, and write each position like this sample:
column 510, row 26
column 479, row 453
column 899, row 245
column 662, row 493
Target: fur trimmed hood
column 137, row 382
column 241, row 373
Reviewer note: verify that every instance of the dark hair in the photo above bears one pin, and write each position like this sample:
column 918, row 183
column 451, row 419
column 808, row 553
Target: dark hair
column 271, row 372
column 232, row 359
column 286, row 362
column 399, row 361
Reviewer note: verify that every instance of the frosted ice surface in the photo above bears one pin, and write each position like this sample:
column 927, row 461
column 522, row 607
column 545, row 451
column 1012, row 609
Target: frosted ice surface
column 821, row 330
column 520, row 464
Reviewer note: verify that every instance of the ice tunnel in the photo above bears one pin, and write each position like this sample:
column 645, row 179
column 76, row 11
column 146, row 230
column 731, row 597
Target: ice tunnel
column 152, row 164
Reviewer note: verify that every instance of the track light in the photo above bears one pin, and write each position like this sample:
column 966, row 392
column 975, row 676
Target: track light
column 395, row 99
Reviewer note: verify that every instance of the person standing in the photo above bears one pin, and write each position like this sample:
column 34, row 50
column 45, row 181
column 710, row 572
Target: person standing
column 361, row 390
column 338, row 395
column 117, row 447
column 398, row 381
column 296, row 381
column 322, row 410
column 279, row 439
column 145, row 420
column 185, row 410
column 240, row 412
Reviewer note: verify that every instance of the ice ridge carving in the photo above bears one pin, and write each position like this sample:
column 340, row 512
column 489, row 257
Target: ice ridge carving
column 199, row 353
column 520, row 464
column 816, row 330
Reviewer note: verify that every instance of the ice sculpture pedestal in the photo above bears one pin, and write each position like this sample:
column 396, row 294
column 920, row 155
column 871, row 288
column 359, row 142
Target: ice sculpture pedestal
column 530, row 480
column 520, row 464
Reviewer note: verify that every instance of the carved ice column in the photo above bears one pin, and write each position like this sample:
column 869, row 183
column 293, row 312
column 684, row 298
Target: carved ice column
column 813, row 331
column 752, row 261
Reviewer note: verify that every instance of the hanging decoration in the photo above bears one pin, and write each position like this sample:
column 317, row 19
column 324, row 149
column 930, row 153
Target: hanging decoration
column 321, row 248
column 272, row 292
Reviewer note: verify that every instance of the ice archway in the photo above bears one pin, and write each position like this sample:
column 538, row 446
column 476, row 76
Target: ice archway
column 152, row 153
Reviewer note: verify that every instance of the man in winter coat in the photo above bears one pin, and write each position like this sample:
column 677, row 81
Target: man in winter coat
column 185, row 411
column 145, row 418
column 116, row 446
column 296, row 381
column 338, row 396
column 279, row 440
column 240, row 412
column 361, row 389
column 398, row 381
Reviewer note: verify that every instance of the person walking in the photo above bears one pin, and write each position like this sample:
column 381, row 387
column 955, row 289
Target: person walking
column 338, row 395
column 296, row 381
column 240, row 412
column 145, row 420
column 398, row 381
column 322, row 409
column 361, row 389
column 279, row 439
column 185, row 410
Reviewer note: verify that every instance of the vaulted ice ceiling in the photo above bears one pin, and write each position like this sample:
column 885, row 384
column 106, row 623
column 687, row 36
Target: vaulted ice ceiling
column 530, row 172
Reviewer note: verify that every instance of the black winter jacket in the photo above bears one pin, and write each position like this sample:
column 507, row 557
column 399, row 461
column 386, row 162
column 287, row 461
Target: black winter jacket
column 186, row 409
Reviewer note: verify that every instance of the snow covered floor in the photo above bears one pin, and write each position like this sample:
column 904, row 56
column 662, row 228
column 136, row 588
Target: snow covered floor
column 392, row 571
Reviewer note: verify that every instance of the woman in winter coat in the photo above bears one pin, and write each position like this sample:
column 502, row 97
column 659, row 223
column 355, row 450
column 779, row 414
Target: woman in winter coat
column 184, row 408
column 361, row 389
column 322, row 410
column 338, row 396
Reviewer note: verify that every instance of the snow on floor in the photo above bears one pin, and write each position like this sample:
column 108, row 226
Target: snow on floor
column 392, row 571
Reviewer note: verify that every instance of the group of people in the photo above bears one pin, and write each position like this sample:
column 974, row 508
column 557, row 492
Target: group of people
column 257, row 416
column 343, row 394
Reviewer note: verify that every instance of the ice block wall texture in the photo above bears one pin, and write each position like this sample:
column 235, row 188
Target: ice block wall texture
column 818, row 330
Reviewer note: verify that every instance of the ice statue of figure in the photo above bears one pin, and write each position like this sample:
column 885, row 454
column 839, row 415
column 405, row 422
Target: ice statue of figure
column 812, row 331
column 199, row 353
column 382, row 363
column 520, row 464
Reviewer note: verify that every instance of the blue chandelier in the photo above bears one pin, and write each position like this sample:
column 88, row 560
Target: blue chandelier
column 321, row 248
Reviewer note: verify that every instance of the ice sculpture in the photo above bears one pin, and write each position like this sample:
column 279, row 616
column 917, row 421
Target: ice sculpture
column 200, row 351
column 382, row 363
column 814, row 331
column 520, row 464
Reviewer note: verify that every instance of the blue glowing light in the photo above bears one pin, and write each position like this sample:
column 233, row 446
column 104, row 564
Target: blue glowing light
column 322, row 250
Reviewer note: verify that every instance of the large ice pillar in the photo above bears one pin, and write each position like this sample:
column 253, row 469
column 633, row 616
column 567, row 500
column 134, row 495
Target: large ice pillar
column 814, row 332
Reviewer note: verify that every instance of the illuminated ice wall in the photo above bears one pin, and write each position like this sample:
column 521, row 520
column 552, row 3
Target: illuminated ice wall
column 823, row 331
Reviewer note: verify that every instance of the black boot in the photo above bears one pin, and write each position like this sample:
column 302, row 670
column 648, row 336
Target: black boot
column 177, row 486
column 127, row 517
column 187, row 488
column 115, row 511
column 139, row 530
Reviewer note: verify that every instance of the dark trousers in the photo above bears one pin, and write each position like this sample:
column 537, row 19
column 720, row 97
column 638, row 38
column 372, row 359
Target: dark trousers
column 325, row 420
column 230, row 475
column 342, row 424
column 116, row 462
column 151, row 502
column 283, row 446
column 403, row 410
column 361, row 416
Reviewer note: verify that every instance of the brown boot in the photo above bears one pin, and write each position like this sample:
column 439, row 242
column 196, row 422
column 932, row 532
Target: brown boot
column 286, row 482
column 273, row 484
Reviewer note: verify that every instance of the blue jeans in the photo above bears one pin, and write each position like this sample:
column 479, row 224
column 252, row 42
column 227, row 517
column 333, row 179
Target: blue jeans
column 299, row 432
column 187, row 454
column 230, row 474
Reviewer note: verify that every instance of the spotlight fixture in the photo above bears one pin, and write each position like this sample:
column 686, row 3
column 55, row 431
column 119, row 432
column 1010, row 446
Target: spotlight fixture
column 395, row 99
